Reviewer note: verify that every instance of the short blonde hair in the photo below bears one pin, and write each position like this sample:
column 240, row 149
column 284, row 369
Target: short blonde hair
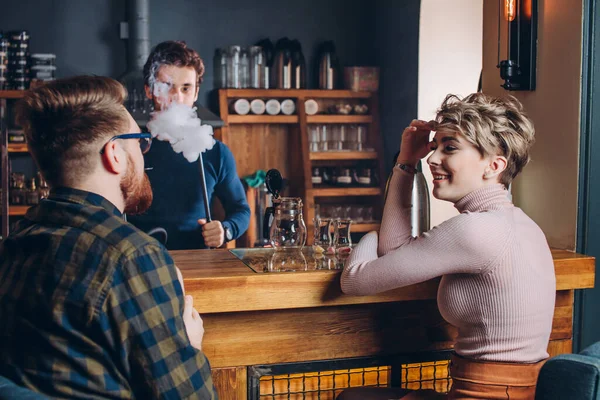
column 64, row 119
column 494, row 125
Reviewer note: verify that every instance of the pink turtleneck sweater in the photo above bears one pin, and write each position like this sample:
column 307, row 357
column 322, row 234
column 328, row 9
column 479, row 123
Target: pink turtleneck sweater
column 498, row 285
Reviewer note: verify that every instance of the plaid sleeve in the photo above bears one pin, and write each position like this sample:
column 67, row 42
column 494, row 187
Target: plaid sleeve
column 144, row 308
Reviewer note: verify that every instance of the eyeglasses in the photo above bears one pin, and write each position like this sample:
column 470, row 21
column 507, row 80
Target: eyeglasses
column 145, row 140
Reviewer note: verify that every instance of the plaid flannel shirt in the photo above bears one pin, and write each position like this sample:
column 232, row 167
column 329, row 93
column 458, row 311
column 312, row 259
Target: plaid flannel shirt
column 91, row 307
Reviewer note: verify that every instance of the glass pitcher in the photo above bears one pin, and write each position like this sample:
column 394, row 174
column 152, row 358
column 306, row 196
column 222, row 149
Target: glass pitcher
column 288, row 230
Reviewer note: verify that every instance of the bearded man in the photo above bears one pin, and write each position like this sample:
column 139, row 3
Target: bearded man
column 90, row 306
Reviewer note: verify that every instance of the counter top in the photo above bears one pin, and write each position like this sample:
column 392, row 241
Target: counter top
column 221, row 282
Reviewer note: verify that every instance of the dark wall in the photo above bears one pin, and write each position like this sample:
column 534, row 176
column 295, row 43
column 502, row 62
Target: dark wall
column 397, row 54
column 85, row 37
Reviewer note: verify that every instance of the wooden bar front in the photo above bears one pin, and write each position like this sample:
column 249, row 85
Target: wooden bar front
column 270, row 318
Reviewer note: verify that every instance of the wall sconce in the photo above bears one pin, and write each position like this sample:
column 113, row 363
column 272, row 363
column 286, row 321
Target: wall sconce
column 518, row 70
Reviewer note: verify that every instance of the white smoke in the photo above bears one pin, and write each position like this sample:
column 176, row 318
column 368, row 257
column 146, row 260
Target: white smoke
column 178, row 123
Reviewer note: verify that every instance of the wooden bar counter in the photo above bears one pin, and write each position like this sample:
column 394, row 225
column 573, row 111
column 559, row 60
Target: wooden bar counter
column 257, row 318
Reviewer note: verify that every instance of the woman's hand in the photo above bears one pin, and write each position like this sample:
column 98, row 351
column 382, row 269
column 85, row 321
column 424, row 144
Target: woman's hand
column 415, row 142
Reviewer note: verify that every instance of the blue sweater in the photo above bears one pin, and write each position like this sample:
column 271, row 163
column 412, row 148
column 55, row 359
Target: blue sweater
column 178, row 201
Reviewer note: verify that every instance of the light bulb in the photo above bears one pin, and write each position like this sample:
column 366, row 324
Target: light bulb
column 510, row 10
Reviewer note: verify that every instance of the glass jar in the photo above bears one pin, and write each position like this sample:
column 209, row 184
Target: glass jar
column 220, row 66
column 17, row 189
column 244, row 68
column 233, row 67
column 44, row 189
column 32, row 196
column 257, row 66
column 329, row 176
column 344, row 177
column 316, row 177
column 288, row 230
column 364, row 177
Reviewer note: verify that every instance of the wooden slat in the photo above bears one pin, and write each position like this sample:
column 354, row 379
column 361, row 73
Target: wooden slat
column 365, row 227
column 262, row 119
column 342, row 192
column 237, row 339
column 12, row 94
column 17, row 148
column 339, row 119
column 573, row 270
column 562, row 323
column 15, row 211
column 343, row 155
column 231, row 383
column 556, row 347
column 331, row 333
column 287, row 93
column 338, row 332
column 260, row 146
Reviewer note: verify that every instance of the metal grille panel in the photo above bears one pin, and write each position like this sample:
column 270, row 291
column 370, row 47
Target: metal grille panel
column 327, row 384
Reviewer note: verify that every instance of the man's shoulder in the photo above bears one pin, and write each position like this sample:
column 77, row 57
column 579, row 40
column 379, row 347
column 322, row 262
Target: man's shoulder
column 219, row 150
column 101, row 227
column 128, row 239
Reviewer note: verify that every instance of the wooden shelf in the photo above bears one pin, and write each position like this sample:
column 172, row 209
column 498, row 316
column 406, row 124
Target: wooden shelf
column 11, row 94
column 364, row 227
column 262, row 119
column 342, row 192
column 14, row 211
column 343, row 155
column 17, row 148
column 302, row 93
column 339, row 119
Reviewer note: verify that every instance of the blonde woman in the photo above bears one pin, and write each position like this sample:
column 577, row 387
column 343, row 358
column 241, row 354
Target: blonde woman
column 498, row 283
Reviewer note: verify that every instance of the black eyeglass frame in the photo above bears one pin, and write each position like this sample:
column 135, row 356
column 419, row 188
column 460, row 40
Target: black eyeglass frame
column 143, row 135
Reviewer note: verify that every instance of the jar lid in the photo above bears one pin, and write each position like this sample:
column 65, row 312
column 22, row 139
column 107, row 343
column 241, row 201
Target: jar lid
column 44, row 56
column 43, row 67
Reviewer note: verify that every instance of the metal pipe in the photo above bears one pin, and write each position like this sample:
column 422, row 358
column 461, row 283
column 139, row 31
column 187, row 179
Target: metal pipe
column 138, row 17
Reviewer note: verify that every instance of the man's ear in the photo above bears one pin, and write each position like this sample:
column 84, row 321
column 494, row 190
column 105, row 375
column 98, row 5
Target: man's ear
column 496, row 166
column 148, row 91
column 197, row 91
column 114, row 158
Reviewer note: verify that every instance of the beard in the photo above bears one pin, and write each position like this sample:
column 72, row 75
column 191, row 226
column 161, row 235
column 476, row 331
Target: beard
column 137, row 192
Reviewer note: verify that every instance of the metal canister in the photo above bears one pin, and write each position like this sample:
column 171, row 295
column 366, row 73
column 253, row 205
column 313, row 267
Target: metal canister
column 419, row 214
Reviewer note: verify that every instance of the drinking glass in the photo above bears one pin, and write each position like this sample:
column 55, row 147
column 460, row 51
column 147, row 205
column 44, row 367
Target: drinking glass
column 313, row 138
column 341, row 236
column 323, row 143
column 322, row 234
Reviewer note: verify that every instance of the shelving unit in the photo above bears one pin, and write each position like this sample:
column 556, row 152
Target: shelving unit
column 14, row 211
column 342, row 155
column 17, row 148
column 5, row 149
column 281, row 142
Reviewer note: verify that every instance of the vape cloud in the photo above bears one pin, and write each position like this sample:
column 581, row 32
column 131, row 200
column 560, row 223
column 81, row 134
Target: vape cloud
column 177, row 123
